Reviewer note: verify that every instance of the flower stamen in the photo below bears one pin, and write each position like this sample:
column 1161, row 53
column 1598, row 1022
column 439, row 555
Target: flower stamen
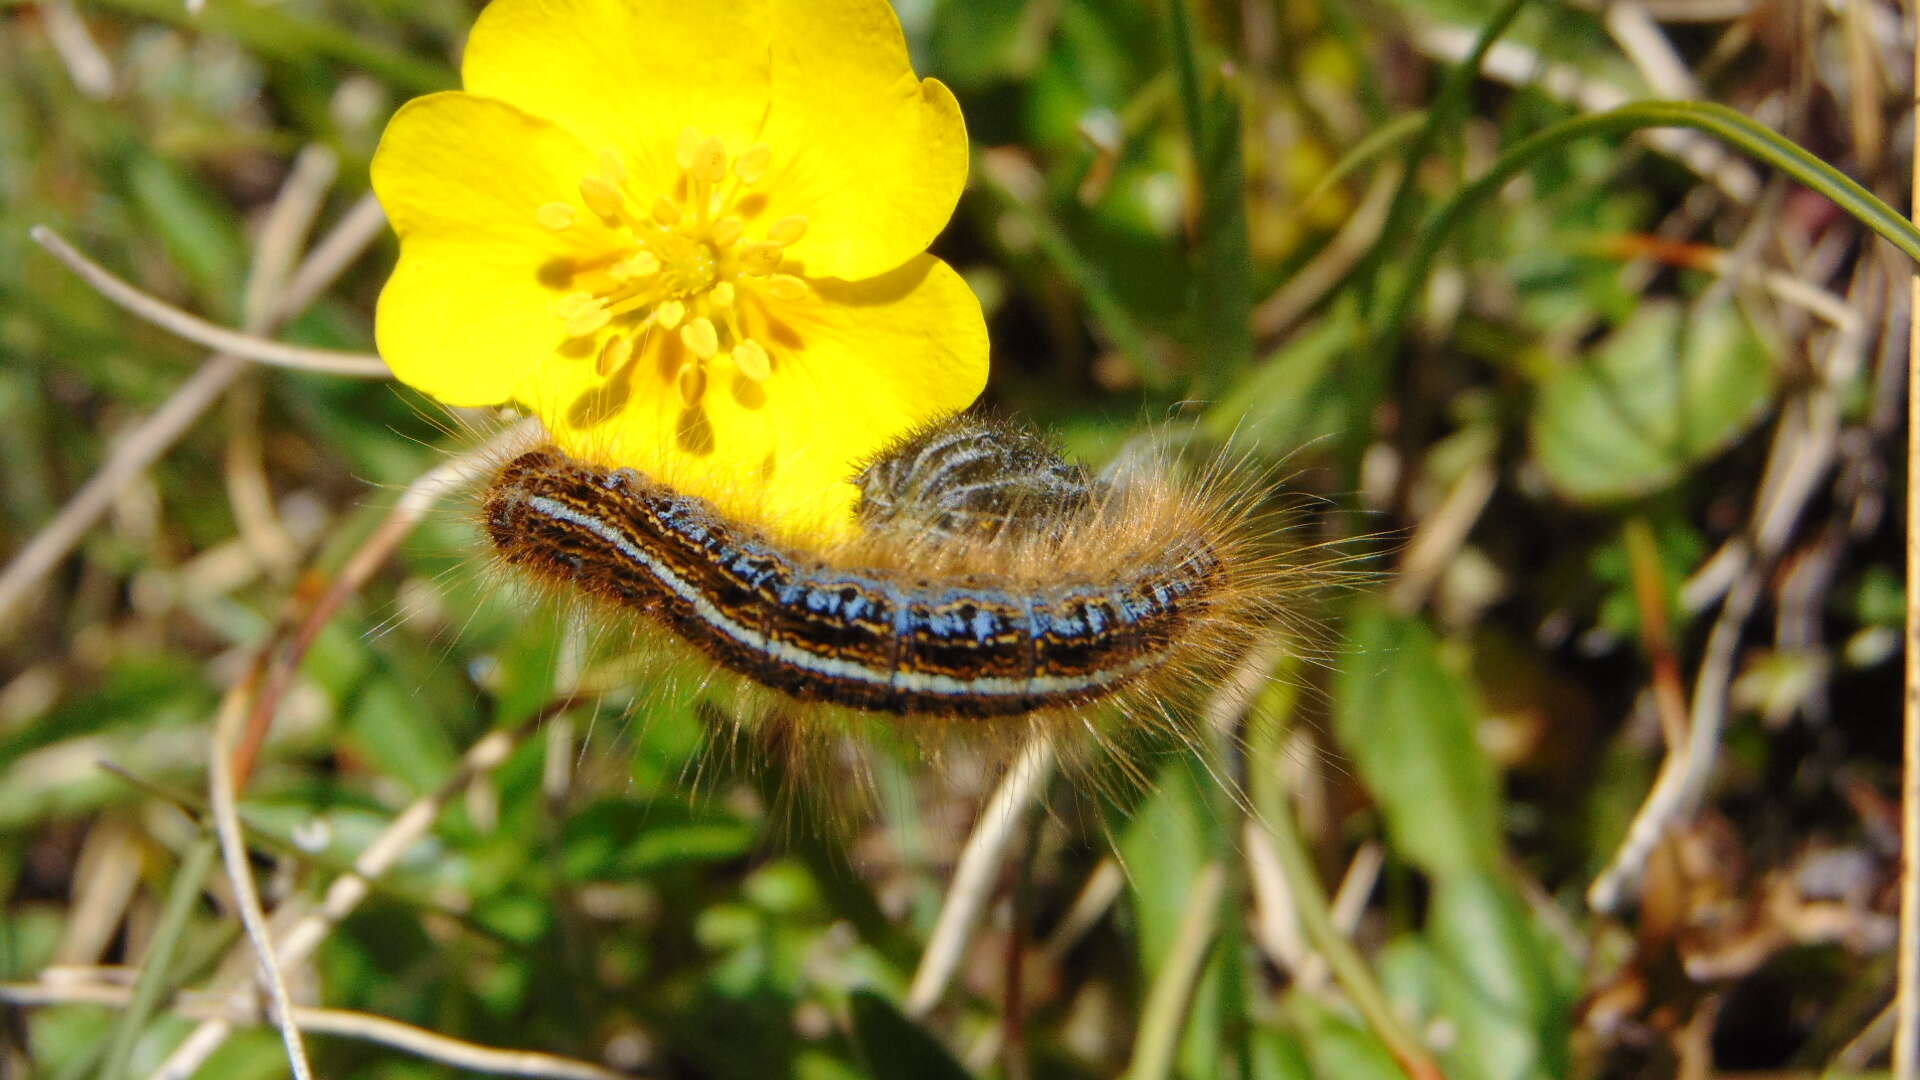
column 700, row 337
column 613, row 355
column 786, row 287
column 761, row 259
column 692, row 382
column 751, row 359
column 588, row 319
column 787, row 231
column 601, row 197
column 684, row 267
column 751, row 166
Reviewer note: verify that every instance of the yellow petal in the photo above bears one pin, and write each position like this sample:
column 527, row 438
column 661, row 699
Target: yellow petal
column 853, row 366
column 629, row 75
column 871, row 156
column 464, row 180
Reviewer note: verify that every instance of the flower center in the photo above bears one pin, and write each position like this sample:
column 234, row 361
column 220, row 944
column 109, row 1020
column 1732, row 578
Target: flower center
column 685, row 265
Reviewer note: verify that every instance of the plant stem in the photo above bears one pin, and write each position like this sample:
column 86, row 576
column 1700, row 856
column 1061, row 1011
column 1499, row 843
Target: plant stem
column 1906, row 1030
column 1316, row 920
column 1164, row 1016
column 156, row 969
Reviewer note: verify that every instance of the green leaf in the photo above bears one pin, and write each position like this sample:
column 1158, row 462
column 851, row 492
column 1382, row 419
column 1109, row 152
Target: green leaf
column 1408, row 722
column 1662, row 393
column 620, row 838
column 1298, row 394
column 1164, row 847
column 893, row 1046
column 392, row 733
column 1494, row 983
column 1279, row 1055
column 278, row 32
column 977, row 42
column 1340, row 1048
column 196, row 226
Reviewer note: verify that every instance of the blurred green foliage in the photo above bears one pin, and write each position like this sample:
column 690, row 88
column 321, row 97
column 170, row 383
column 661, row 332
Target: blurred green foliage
column 1149, row 180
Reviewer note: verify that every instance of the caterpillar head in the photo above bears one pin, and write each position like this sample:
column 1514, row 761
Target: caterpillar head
column 968, row 476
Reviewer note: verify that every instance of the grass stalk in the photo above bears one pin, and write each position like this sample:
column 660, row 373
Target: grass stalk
column 1314, row 915
column 1164, row 1016
column 1737, row 130
column 156, row 977
column 1906, row 1030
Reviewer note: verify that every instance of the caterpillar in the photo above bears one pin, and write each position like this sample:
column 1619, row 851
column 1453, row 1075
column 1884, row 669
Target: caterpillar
column 989, row 578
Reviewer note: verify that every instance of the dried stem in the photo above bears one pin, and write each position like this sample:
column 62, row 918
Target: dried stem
column 233, row 852
column 87, row 66
column 1286, row 881
column 976, row 873
column 1685, row 771
column 1163, row 1016
column 144, row 445
column 1441, row 536
column 139, row 449
column 1801, row 453
column 1280, row 836
column 274, row 253
column 1906, row 1030
column 201, row 332
column 408, row 511
column 341, row 1022
column 348, row 890
column 1656, row 639
column 1089, row 906
column 1311, row 284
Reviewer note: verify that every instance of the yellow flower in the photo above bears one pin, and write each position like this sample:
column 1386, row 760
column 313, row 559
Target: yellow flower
column 691, row 238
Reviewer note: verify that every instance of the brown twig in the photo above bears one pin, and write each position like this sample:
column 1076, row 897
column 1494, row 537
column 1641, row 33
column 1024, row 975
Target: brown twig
column 1650, row 596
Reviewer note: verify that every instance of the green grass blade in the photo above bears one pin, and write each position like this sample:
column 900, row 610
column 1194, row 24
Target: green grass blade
column 1441, row 119
column 1220, row 297
column 156, row 971
column 1738, row 131
column 1186, row 69
column 1106, row 307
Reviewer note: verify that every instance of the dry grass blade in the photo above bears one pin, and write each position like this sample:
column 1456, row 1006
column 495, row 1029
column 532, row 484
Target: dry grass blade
column 201, row 332
column 1684, row 774
column 344, row 1023
column 233, row 850
column 148, row 441
column 408, row 510
column 976, row 873
column 249, row 489
column 347, row 891
column 1164, row 1015
column 1906, row 1031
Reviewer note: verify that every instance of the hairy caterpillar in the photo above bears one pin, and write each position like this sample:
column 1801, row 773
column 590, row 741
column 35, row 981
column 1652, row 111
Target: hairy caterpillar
column 989, row 579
